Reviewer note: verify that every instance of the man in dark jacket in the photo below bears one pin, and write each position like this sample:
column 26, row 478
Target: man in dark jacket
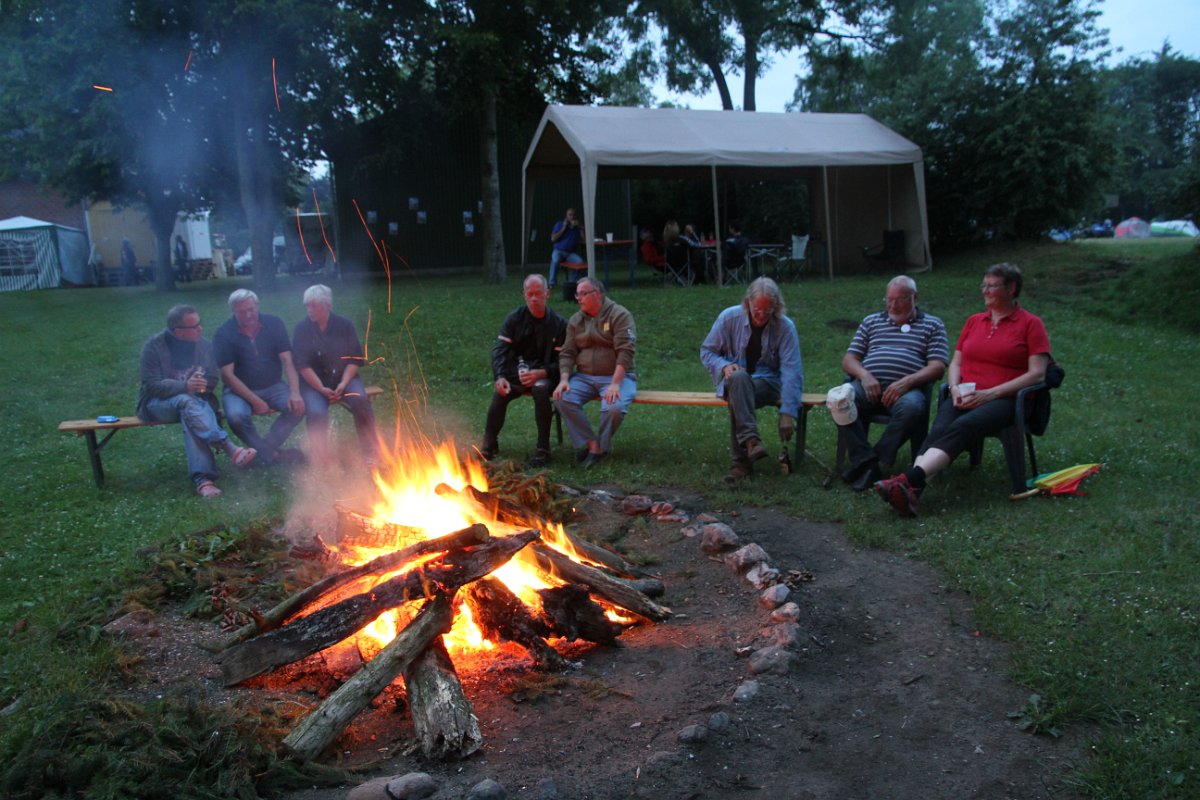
column 525, row 361
column 178, row 374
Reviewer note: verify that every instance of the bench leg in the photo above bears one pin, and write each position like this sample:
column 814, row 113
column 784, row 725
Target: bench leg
column 94, row 457
column 801, row 434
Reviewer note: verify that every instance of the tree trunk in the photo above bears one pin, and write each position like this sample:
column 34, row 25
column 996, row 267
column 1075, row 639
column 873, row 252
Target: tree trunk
column 322, row 726
column 161, row 214
column 495, row 267
column 722, row 85
column 259, row 203
column 750, row 64
column 443, row 719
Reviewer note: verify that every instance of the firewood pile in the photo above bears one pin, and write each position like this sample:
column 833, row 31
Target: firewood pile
column 586, row 593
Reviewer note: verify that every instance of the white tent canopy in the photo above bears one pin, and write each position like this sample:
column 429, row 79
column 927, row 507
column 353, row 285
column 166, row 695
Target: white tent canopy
column 39, row 255
column 868, row 177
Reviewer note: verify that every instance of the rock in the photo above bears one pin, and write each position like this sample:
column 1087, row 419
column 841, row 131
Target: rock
column 662, row 757
column 770, row 660
column 600, row 496
column 762, row 575
column 661, row 507
column 635, row 504
column 690, row 531
column 785, row 634
column 719, row 721
column 674, row 517
column 745, row 691
column 707, row 518
column 136, row 625
column 569, row 491
column 743, row 558
column 788, row 612
column 487, row 789
column 692, row 734
column 717, row 537
column 774, row 596
column 412, row 786
column 546, row 789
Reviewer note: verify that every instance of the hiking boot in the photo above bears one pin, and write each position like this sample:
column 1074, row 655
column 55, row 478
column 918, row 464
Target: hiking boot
column 755, row 449
column 899, row 494
column 739, row 472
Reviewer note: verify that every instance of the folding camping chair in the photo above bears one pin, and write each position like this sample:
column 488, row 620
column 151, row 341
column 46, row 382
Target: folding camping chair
column 790, row 266
column 678, row 257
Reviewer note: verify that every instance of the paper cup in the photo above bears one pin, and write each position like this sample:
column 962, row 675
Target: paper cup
column 966, row 389
column 608, row 236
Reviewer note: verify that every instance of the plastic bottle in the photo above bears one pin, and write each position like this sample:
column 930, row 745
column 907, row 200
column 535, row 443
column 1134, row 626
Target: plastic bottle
column 785, row 461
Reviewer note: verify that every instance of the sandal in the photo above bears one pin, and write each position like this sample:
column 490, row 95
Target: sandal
column 208, row 490
column 243, row 456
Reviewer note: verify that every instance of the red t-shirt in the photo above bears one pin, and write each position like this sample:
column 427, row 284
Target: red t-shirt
column 651, row 255
column 990, row 356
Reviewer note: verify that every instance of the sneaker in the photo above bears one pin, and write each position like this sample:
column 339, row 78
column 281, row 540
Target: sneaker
column 899, row 494
column 540, row 459
column 755, row 449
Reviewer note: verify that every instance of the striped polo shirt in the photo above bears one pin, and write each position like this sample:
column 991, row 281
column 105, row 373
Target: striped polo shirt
column 890, row 351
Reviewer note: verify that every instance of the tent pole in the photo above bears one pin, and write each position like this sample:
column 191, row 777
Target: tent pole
column 717, row 228
column 828, row 222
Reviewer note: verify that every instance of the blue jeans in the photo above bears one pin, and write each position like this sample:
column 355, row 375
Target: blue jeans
column 585, row 388
column 200, row 430
column 241, row 420
column 744, row 395
column 316, row 416
column 556, row 256
column 906, row 415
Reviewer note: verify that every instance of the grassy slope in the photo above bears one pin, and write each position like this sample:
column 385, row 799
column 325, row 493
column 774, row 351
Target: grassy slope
column 1097, row 594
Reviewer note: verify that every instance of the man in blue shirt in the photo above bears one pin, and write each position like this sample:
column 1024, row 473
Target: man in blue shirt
column 752, row 354
column 894, row 357
column 565, row 236
column 255, row 356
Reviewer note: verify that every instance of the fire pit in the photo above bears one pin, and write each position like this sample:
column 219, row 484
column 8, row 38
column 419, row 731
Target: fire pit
column 435, row 575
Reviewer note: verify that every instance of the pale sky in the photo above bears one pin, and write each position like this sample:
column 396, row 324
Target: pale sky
column 1139, row 27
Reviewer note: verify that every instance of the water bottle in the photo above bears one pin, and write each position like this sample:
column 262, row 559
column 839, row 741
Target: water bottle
column 522, row 367
column 785, row 461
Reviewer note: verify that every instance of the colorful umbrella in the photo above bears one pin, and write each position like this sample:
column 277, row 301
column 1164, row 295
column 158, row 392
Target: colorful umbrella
column 1065, row 481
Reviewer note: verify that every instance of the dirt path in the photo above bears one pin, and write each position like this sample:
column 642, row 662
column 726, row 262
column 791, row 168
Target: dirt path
column 892, row 695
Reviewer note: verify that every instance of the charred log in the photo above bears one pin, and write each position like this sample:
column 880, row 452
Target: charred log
column 611, row 589
column 576, row 615
column 444, row 720
column 501, row 615
column 475, row 534
column 323, row 725
column 338, row 621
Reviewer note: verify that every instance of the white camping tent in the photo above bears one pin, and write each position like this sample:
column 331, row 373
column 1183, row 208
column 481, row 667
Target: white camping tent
column 863, row 177
column 40, row 255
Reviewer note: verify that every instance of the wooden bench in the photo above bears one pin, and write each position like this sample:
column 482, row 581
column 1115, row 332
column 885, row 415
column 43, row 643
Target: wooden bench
column 808, row 401
column 87, row 428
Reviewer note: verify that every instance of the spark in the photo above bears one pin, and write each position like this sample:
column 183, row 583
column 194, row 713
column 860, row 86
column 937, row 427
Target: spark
column 387, row 270
column 102, row 88
column 275, row 83
column 322, row 222
column 188, row 63
column 300, row 231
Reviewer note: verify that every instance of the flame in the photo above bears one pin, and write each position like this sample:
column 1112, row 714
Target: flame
column 412, row 508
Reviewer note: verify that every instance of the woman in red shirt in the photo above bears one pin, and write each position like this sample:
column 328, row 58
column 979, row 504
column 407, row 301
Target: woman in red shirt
column 999, row 352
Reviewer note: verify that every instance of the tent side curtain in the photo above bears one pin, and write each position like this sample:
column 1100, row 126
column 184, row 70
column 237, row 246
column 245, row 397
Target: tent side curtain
column 28, row 260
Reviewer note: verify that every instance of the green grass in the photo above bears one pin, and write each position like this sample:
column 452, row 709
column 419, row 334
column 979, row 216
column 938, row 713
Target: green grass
column 1097, row 595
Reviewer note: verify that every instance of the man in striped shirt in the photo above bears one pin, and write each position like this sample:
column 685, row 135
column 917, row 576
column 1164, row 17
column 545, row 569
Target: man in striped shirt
column 894, row 358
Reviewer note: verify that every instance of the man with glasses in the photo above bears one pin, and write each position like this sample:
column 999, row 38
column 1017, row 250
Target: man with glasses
column 525, row 361
column 178, row 374
column 752, row 354
column 599, row 348
column 894, row 357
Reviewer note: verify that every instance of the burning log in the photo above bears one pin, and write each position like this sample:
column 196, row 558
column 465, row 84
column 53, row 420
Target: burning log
column 443, row 718
column 513, row 514
column 475, row 534
column 320, row 727
column 577, row 616
column 336, row 622
column 611, row 589
column 500, row 614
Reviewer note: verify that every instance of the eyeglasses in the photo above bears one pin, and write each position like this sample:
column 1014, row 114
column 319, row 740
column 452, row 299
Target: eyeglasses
column 188, row 327
column 580, row 295
column 902, row 299
column 991, row 287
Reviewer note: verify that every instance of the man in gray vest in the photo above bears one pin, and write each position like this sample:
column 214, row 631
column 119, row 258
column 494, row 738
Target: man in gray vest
column 894, row 357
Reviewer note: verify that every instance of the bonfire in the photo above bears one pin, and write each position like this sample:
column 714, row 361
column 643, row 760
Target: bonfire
column 436, row 573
